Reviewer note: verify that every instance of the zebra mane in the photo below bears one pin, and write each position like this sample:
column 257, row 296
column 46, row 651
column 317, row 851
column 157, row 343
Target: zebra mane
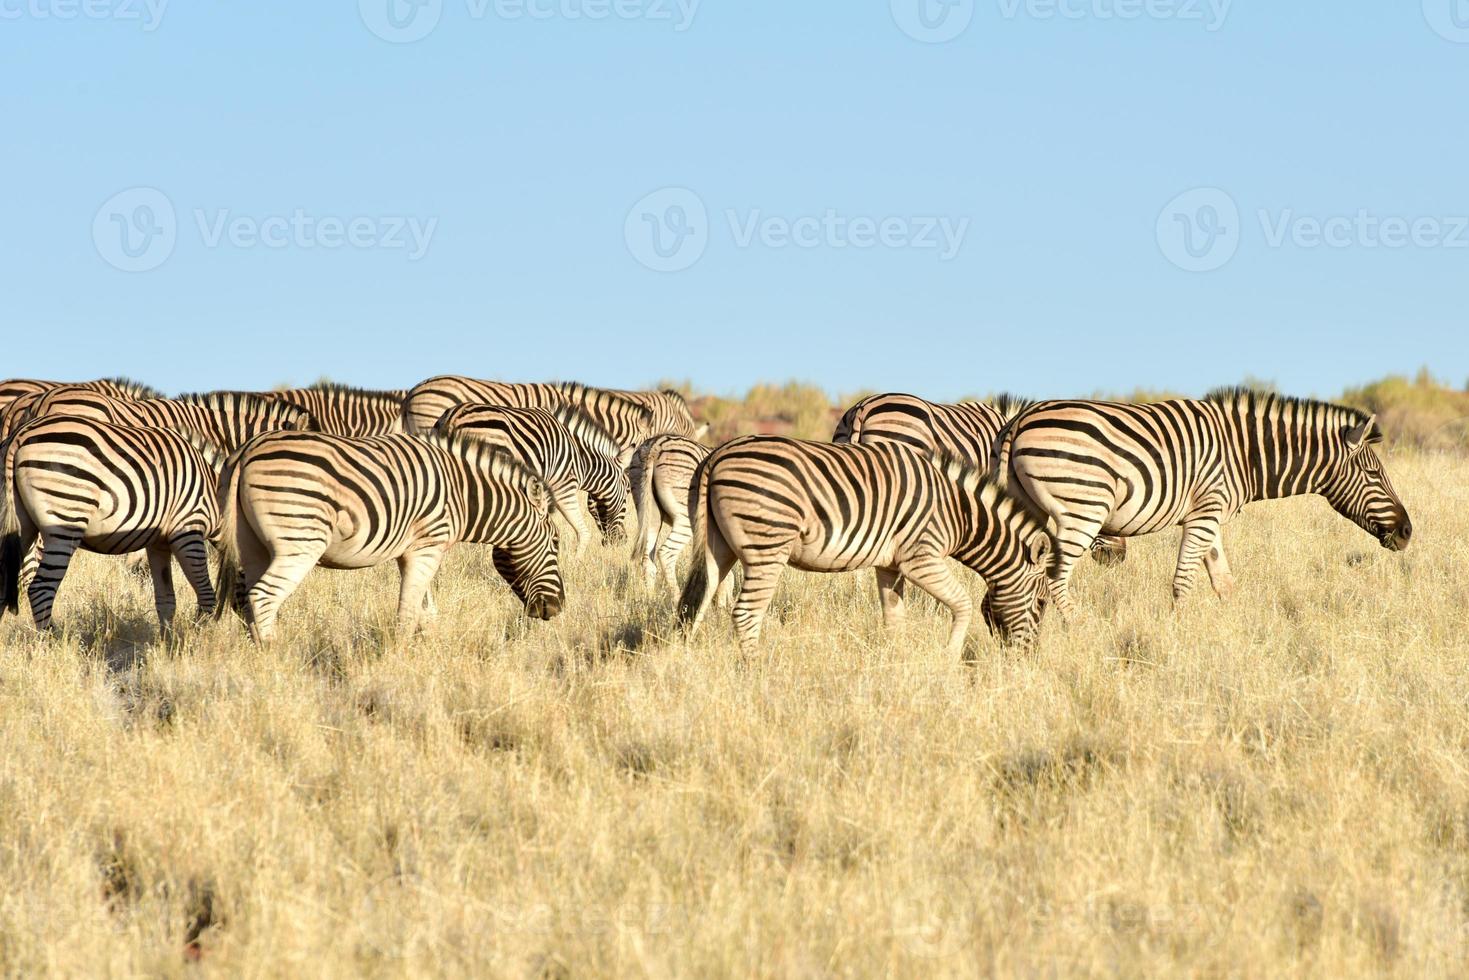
column 135, row 388
column 1009, row 406
column 216, row 401
column 502, row 464
column 582, row 394
column 1273, row 405
column 586, row 429
column 396, row 394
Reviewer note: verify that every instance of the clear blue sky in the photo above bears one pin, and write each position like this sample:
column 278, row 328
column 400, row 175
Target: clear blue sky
column 1059, row 138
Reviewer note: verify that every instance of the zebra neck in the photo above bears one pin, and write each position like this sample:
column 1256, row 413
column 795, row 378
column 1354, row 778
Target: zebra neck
column 1275, row 451
column 198, row 422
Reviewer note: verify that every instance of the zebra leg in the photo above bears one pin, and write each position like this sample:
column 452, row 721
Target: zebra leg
column 60, row 545
column 568, row 505
column 1200, row 534
column 1217, row 565
column 890, row 594
column 160, row 564
column 756, row 592
column 416, row 570
column 31, row 563
column 193, row 558
column 933, row 575
column 679, row 532
column 281, row 577
column 430, row 608
column 719, row 559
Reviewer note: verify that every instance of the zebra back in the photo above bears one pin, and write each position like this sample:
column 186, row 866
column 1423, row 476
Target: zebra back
column 966, row 431
column 346, row 411
column 627, row 422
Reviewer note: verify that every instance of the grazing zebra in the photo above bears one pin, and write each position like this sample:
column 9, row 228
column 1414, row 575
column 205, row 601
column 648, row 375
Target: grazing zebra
column 567, row 450
column 967, row 431
column 113, row 489
column 341, row 410
column 671, row 413
column 769, row 501
column 661, row 473
column 1134, row 469
column 628, row 422
column 292, row 500
column 221, row 421
column 116, row 387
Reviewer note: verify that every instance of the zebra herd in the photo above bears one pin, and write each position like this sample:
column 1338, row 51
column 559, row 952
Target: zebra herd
column 280, row 482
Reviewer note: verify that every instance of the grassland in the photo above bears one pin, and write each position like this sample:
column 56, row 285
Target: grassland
column 1276, row 785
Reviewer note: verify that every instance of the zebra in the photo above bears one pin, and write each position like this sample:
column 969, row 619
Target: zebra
column 628, row 422
column 219, row 421
column 769, row 501
column 661, row 473
column 671, row 413
column 342, row 410
column 1128, row 469
column 15, row 388
column 112, row 489
column 566, row 449
column 18, row 397
column 966, row 431
column 292, row 500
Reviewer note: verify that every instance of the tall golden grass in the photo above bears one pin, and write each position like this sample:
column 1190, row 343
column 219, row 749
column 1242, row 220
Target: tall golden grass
column 1274, row 785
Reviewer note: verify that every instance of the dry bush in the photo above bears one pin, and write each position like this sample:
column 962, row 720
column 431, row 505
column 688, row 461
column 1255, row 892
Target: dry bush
column 1276, row 785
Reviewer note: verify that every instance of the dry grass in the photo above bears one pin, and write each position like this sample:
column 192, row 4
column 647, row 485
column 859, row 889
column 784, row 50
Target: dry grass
column 1276, row 785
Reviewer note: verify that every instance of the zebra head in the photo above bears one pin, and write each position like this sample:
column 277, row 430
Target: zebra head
column 528, row 562
column 609, row 495
column 1357, row 486
column 1016, row 598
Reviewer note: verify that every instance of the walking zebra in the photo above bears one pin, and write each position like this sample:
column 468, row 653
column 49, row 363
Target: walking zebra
column 769, row 501
column 661, row 473
column 967, row 431
column 671, row 413
column 567, row 450
column 219, row 422
column 1134, row 469
column 341, row 410
column 628, row 422
column 112, row 489
column 292, row 500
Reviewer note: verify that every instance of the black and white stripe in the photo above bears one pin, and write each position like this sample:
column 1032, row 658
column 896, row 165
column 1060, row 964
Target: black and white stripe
column 769, row 501
column 114, row 489
column 18, row 396
column 662, row 471
column 629, row 423
column 1123, row 469
column 342, row 410
column 565, row 449
column 292, row 500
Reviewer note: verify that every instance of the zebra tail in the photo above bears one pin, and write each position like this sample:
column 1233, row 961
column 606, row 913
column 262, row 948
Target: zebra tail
column 695, row 595
column 1000, row 458
column 229, row 546
column 10, row 555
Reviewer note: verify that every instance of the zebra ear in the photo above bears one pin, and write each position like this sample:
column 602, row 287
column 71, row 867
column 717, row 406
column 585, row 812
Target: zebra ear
column 1359, row 436
column 1039, row 548
column 624, row 458
column 700, row 431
